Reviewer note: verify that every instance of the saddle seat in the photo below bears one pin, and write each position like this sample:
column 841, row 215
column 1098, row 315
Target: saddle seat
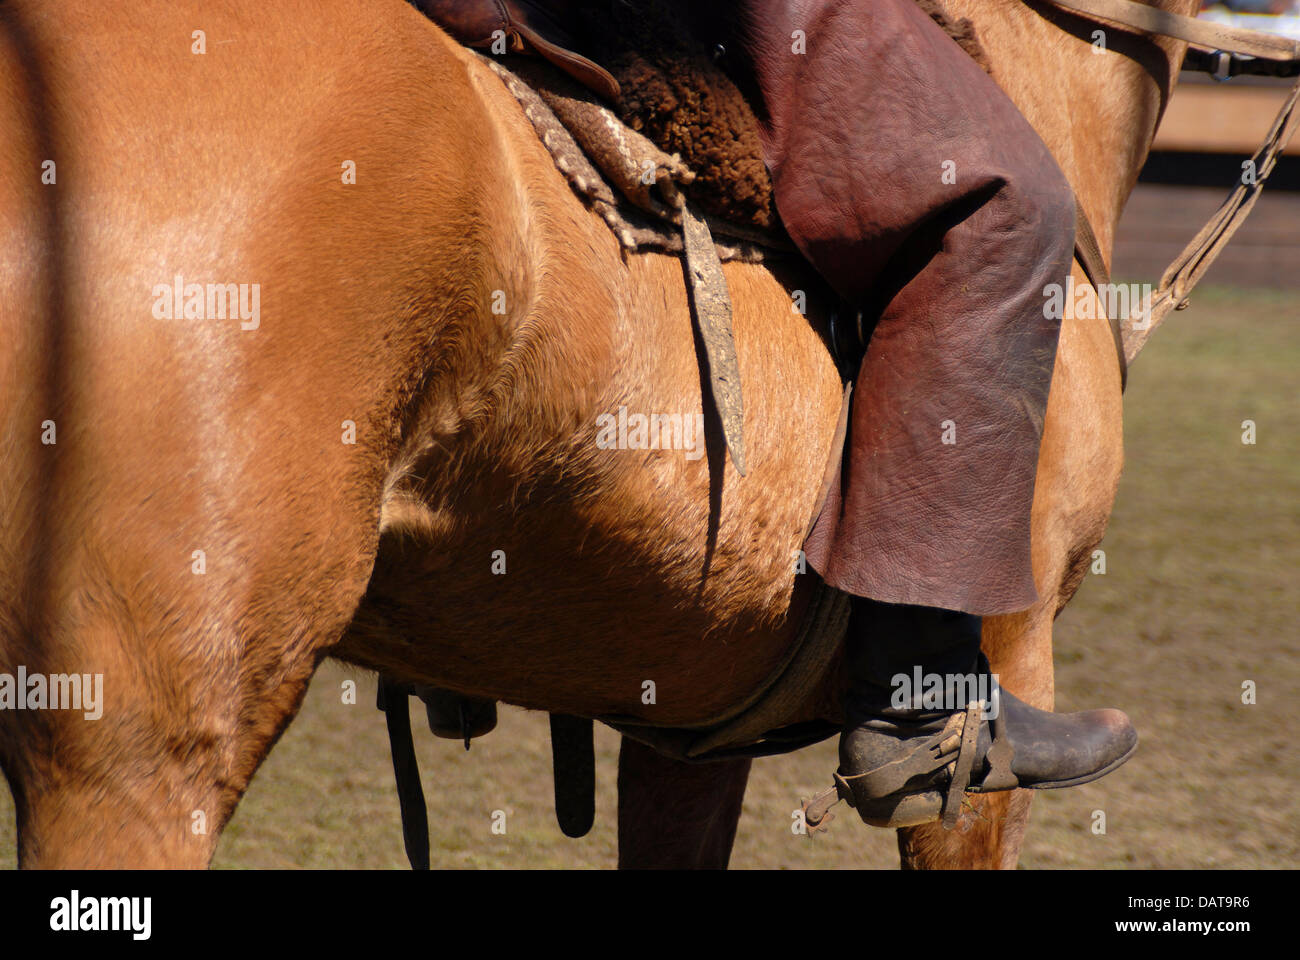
column 657, row 75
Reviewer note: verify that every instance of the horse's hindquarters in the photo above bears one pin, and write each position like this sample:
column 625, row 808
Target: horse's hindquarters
column 219, row 305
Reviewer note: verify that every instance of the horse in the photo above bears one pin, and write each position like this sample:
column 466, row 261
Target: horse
column 321, row 373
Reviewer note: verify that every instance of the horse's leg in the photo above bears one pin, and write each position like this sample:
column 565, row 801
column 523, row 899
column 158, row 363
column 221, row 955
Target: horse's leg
column 202, row 668
column 1078, row 472
column 673, row 815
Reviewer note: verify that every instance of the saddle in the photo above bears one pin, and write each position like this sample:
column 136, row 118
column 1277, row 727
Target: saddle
column 523, row 26
column 657, row 75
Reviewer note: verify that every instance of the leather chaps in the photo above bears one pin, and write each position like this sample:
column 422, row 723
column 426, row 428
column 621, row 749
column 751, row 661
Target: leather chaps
column 918, row 190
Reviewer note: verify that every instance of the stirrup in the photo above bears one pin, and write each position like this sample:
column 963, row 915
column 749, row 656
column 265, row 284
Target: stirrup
column 954, row 747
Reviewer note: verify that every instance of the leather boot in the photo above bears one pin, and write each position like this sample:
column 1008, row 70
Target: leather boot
column 926, row 721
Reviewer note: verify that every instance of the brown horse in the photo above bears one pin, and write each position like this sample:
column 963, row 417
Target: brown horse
column 307, row 346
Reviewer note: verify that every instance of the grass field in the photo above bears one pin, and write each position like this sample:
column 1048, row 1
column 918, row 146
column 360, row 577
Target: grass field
column 1201, row 593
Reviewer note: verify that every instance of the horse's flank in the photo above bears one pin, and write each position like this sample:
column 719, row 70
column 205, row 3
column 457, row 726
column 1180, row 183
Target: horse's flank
column 644, row 571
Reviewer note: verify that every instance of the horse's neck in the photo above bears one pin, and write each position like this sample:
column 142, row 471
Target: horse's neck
column 1097, row 111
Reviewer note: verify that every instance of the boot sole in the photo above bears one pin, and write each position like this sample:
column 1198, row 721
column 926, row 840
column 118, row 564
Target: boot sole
column 915, row 809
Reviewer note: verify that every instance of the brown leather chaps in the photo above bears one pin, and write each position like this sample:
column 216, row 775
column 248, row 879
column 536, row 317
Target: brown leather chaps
column 916, row 188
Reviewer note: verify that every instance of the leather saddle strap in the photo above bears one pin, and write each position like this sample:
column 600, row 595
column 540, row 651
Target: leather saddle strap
column 712, row 306
column 1202, row 33
column 587, row 72
column 1088, row 252
column 573, row 757
column 395, row 700
column 965, row 763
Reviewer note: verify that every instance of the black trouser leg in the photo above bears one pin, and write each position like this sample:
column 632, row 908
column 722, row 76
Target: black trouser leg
column 886, row 640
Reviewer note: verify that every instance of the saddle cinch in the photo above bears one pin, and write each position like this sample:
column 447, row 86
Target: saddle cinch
column 741, row 211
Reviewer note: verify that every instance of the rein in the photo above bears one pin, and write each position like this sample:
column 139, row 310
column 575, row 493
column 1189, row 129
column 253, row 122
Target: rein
column 1225, row 52
column 1153, row 21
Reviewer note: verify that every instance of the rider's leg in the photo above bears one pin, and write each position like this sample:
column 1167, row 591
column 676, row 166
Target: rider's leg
column 917, row 189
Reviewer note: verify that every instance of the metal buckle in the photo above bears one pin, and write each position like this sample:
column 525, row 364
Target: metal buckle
column 1222, row 66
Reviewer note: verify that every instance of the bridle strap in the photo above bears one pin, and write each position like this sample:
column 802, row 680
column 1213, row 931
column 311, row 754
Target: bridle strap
column 1201, row 33
column 1191, row 265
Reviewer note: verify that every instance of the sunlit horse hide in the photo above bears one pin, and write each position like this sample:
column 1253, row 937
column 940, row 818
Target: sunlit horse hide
column 905, row 524
column 671, row 90
column 667, row 86
column 382, row 421
column 222, row 509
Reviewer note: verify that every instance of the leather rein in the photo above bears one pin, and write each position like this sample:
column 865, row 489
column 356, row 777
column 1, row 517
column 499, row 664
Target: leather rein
column 1223, row 52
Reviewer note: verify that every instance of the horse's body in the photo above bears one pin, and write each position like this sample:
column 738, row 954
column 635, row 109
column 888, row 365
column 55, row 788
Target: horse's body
column 463, row 310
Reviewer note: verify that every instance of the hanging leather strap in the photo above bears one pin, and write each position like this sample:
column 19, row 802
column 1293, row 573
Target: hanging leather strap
column 1191, row 265
column 395, row 700
column 573, row 757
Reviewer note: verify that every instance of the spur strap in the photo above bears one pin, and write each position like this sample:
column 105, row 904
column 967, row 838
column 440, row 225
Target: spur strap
column 971, row 720
column 940, row 750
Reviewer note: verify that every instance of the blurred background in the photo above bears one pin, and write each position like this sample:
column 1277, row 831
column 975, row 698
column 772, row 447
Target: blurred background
column 1201, row 595
column 1280, row 10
